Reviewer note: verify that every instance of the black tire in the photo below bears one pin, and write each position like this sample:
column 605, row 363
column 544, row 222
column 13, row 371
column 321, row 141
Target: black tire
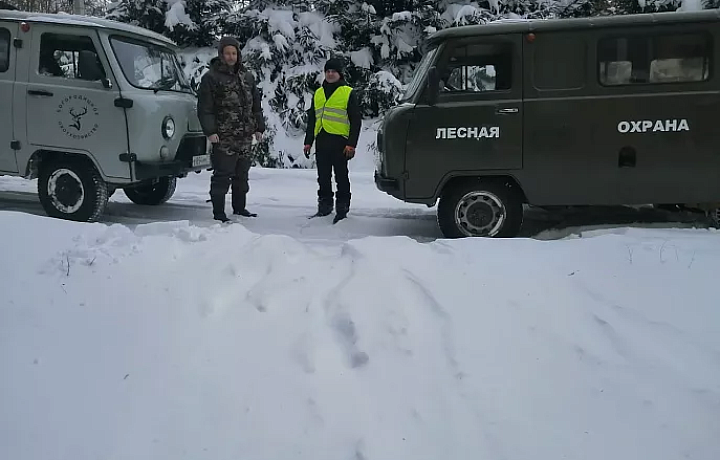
column 152, row 192
column 494, row 206
column 72, row 189
column 715, row 218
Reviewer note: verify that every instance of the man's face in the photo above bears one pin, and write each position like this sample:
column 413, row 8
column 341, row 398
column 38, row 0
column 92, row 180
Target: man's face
column 230, row 55
column 332, row 76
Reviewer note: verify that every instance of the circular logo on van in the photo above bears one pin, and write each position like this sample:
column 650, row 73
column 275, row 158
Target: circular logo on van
column 78, row 117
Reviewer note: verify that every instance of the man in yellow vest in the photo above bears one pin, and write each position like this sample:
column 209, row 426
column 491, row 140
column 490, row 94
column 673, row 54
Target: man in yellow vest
column 334, row 122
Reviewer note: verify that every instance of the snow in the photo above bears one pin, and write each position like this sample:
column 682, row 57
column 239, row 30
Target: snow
column 281, row 42
column 323, row 30
column 691, row 5
column 176, row 15
column 362, row 57
column 464, row 13
column 280, row 21
column 158, row 334
column 368, row 8
column 402, row 16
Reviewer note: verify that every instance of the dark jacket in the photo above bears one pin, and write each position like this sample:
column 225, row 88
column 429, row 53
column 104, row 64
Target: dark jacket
column 354, row 115
column 229, row 101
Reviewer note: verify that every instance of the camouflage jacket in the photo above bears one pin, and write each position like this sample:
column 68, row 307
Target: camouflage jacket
column 229, row 102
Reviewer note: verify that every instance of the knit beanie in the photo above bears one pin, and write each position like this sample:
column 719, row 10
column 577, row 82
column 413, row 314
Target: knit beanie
column 334, row 64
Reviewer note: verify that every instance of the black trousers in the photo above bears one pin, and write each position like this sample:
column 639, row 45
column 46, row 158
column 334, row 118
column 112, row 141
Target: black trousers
column 330, row 158
column 230, row 169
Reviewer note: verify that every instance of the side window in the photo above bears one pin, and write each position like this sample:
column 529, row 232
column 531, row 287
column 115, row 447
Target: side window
column 4, row 50
column 69, row 56
column 636, row 60
column 475, row 68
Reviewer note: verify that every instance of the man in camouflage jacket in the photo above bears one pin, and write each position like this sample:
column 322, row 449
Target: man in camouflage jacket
column 230, row 114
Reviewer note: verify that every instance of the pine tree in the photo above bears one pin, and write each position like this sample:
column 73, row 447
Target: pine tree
column 196, row 23
column 148, row 14
column 190, row 23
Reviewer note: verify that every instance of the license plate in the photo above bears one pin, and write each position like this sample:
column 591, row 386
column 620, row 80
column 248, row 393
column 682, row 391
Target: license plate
column 201, row 160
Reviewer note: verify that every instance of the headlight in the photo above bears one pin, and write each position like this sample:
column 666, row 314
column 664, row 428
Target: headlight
column 168, row 127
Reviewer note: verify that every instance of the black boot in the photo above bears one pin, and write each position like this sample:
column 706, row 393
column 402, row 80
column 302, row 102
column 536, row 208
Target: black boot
column 238, row 203
column 218, row 203
column 341, row 213
column 325, row 207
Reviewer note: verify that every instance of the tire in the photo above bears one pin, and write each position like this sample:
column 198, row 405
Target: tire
column 480, row 208
column 72, row 189
column 715, row 218
column 152, row 192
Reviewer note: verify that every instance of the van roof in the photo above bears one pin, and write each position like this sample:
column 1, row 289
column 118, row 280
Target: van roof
column 82, row 21
column 509, row 26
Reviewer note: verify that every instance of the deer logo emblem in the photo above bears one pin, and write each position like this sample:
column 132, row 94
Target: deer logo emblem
column 77, row 116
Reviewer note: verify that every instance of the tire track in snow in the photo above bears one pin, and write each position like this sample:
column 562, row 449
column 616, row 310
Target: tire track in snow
column 458, row 376
column 341, row 321
column 439, row 312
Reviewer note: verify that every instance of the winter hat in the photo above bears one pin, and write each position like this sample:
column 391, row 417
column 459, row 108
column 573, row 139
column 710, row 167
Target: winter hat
column 334, row 64
column 228, row 41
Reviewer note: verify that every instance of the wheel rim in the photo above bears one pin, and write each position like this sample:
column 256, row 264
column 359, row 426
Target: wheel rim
column 480, row 213
column 66, row 191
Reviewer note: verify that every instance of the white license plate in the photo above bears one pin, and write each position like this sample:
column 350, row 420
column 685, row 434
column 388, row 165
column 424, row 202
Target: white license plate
column 201, row 160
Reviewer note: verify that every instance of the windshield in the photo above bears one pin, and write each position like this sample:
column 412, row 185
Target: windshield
column 148, row 66
column 420, row 72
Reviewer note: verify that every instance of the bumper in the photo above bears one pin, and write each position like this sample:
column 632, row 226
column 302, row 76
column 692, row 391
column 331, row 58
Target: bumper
column 191, row 156
column 386, row 184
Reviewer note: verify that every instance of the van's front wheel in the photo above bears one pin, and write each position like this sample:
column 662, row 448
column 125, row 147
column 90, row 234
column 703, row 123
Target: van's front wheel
column 152, row 192
column 72, row 189
column 480, row 208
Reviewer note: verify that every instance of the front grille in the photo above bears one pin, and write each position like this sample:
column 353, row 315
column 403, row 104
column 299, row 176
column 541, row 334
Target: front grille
column 191, row 146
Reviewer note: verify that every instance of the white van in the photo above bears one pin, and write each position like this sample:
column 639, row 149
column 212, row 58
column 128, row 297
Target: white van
column 91, row 105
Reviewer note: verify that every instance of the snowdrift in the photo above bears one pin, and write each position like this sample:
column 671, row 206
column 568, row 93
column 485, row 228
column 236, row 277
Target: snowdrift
column 172, row 341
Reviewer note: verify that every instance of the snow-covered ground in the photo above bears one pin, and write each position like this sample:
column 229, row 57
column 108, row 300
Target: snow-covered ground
column 161, row 335
column 284, row 198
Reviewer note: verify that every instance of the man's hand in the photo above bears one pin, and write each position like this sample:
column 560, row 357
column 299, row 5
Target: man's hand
column 306, row 151
column 258, row 136
column 349, row 152
column 214, row 139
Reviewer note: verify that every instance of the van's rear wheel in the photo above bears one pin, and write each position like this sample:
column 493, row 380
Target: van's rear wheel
column 152, row 192
column 715, row 217
column 480, row 208
column 72, row 189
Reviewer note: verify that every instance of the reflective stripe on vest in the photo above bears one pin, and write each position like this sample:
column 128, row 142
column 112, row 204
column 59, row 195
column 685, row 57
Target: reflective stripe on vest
column 331, row 114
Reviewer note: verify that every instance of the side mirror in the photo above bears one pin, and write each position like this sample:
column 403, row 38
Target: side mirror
column 433, row 82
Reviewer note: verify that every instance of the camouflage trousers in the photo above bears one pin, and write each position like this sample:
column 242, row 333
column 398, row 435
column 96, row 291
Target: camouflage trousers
column 231, row 165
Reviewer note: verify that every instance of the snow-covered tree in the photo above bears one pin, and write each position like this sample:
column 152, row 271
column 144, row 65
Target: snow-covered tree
column 286, row 42
column 142, row 13
column 194, row 23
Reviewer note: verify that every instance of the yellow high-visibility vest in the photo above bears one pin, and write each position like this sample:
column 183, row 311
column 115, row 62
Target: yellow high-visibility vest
column 331, row 114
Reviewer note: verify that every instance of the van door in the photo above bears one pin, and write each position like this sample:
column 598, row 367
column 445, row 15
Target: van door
column 476, row 123
column 8, row 162
column 656, row 116
column 69, row 108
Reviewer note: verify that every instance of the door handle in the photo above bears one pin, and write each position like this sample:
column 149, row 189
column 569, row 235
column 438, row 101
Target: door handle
column 509, row 110
column 39, row 92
